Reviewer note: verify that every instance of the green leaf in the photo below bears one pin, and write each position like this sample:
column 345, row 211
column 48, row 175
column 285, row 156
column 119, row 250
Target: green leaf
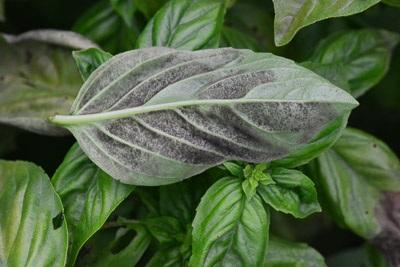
column 169, row 256
column 89, row 196
column 282, row 253
column 90, row 59
column 164, row 229
column 149, row 7
column 235, row 169
column 236, row 39
column 111, row 24
column 292, row 193
column 395, row 3
column 229, row 229
column 355, row 60
column 253, row 176
column 185, row 24
column 359, row 179
column 122, row 248
column 33, row 231
column 136, row 111
column 292, row 15
column 364, row 256
column 38, row 78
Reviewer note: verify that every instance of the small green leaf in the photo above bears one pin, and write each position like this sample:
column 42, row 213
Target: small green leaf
column 282, row 253
column 355, row 60
column 33, row 231
column 235, row 169
column 185, row 24
column 168, row 256
column 89, row 196
column 253, row 175
column 38, row 78
column 293, row 193
column 90, row 59
column 232, row 37
column 165, row 229
column 228, row 228
column 292, row 15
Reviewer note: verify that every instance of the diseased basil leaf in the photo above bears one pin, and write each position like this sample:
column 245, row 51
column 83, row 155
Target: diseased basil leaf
column 89, row 196
column 229, row 229
column 355, row 60
column 364, row 256
column 38, row 78
column 122, row 248
column 33, row 231
column 90, row 59
column 289, row 254
column 292, row 193
column 185, row 24
column 359, row 180
column 292, row 15
column 199, row 109
column 236, row 39
column 111, row 24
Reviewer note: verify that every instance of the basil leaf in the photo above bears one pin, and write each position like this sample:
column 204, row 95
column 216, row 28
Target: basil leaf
column 292, row 15
column 229, row 229
column 38, row 78
column 254, row 107
column 236, row 39
column 292, row 193
column 33, row 231
column 89, row 196
column 90, row 59
column 185, row 24
column 364, row 256
column 164, row 229
column 289, row 254
column 112, row 27
column 123, row 248
column 359, row 59
column 360, row 182
column 149, row 7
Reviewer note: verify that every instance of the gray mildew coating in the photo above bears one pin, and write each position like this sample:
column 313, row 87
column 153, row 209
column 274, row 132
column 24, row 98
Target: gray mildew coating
column 158, row 115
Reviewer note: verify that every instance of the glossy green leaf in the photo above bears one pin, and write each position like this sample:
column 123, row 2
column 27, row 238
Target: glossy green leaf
column 282, row 253
column 353, row 177
column 355, row 60
column 237, row 39
column 89, row 196
column 292, row 193
column 121, row 248
column 168, row 256
column 185, row 24
column 229, row 229
column 33, row 231
column 149, row 7
column 38, row 78
column 292, row 15
column 111, row 24
column 364, row 256
column 90, row 59
column 247, row 106
column 164, row 229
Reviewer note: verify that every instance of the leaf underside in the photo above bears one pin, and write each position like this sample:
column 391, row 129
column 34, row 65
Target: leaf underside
column 157, row 115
